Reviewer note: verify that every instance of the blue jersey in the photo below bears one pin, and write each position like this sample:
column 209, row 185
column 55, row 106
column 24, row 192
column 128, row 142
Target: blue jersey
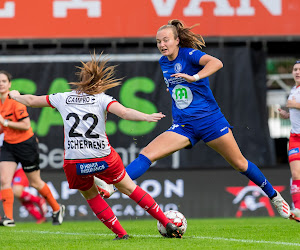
column 190, row 101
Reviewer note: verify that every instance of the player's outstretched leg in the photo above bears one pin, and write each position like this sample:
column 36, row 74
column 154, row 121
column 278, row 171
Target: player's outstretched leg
column 144, row 200
column 138, row 167
column 105, row 214
column 254, row 174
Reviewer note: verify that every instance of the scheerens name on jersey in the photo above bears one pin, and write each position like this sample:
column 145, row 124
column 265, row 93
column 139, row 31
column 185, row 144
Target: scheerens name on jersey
column 80, row 100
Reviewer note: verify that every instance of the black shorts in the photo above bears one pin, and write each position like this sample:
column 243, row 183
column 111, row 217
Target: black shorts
column 26, row 152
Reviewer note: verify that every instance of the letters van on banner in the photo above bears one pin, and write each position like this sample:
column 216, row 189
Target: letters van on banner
column 117, row 18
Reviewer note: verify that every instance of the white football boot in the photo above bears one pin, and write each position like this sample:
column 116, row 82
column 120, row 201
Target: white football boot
column 105, row 190
column 281, row 205
column 295, row 214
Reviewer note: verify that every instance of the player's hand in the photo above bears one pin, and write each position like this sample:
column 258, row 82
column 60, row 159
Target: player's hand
column 283, row 114
column 155, row 117
column 186, row 77
column 14, row 93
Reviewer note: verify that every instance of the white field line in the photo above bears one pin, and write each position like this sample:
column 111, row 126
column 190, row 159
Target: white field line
column 156, row 236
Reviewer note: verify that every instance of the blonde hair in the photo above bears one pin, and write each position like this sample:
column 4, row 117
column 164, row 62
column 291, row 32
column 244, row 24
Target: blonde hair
column 95, row 76
column 187, row 38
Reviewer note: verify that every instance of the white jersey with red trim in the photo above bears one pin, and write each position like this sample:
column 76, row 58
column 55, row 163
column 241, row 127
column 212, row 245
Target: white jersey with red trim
column 295, row 113
column 84, row 118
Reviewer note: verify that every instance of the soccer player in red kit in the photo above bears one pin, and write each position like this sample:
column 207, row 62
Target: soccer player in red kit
column 88, row 152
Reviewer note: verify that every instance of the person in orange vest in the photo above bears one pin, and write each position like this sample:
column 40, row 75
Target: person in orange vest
column 20, row 145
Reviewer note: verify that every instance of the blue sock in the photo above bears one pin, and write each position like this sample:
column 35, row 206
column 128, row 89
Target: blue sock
column 255, row 175
column 138, row 167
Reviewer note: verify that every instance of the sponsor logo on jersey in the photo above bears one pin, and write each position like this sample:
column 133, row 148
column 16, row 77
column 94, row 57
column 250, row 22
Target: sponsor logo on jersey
column 173, row 80
column 182, row 95
column 166, row 71
column 91, row 167
column 80, row 100
column 17, row 179
column 178, row 67
column 293, row 151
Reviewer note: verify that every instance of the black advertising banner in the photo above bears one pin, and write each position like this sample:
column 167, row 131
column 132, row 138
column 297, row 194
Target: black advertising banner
column 239, row 89
column 195, row 193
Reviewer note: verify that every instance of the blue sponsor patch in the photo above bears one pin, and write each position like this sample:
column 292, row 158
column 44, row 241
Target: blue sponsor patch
column 17, row 179
column 293, row 151
column 91, row 167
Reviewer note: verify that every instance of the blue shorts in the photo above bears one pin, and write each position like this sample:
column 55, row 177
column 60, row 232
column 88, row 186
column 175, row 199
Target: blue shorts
column 206, row 129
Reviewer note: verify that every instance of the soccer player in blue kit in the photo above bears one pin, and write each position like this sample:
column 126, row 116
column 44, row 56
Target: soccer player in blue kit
column 196, row 114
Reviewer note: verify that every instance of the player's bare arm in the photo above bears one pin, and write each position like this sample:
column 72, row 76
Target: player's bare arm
column 29, row 100
column 132, row 114
column 23, row 124
column 211, row 64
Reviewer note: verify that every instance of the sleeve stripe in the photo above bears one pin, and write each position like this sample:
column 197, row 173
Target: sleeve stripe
column 110, row 104
column 23, row 118
column 47, row 98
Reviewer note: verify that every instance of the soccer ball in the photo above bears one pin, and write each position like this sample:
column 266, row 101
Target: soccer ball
column 176, row 218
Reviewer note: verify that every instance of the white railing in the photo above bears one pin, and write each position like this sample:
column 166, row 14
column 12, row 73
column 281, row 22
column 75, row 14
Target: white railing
column 276, row 98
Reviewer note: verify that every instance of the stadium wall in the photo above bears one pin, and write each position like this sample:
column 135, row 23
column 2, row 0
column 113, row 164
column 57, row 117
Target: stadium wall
column 205, row 193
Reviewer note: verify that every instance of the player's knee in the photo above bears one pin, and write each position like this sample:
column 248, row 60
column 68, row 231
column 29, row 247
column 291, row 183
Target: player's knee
column 150, row 155
column 17, row 189
column 240, row 165
column 5, row 183
column 36, row 183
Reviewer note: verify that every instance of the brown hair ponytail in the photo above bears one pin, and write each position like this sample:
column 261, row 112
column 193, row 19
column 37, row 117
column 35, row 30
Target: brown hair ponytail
column 95, row 76
column 187, row 38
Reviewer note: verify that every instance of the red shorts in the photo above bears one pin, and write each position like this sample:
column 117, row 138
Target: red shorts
column 294, row 147
column 80, row 175
column 20, row 178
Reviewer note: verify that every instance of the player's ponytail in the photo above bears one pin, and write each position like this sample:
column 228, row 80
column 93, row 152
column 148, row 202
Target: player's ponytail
column 187, row 38
column 95, row 76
